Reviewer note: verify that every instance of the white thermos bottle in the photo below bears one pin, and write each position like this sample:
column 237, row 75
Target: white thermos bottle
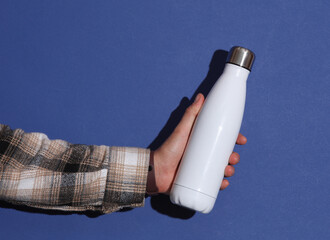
column 213, row 137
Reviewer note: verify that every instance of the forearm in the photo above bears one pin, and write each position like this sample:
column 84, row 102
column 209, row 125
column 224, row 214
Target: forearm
column 55, row 174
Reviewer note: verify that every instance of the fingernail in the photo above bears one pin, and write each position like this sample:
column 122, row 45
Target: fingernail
column 197, row 98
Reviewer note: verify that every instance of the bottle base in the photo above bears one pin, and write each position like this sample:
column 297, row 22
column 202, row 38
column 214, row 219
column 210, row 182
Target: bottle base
column 191, row 199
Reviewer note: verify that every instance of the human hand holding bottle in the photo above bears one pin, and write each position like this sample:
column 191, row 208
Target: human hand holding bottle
column 166, row 159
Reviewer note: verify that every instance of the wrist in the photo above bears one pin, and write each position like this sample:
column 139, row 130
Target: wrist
column 161, row 173
column 152, row 188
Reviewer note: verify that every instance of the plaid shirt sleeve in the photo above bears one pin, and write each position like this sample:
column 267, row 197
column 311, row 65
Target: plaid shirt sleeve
column 54, row 174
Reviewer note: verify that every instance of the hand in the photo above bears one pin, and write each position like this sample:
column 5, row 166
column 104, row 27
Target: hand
column 166, row 159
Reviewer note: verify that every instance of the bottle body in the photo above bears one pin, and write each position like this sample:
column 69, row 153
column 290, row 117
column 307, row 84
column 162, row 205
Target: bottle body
column 211, row 142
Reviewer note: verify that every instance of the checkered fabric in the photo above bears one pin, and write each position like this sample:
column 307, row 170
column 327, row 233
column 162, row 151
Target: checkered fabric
column 54, row 174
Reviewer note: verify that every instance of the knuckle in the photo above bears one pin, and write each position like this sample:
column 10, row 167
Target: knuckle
column 232, row 171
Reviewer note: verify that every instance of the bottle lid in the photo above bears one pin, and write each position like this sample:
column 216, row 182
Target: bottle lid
column 241, row 56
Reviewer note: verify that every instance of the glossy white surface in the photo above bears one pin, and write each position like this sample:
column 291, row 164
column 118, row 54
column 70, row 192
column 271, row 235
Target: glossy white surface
column 211, row 142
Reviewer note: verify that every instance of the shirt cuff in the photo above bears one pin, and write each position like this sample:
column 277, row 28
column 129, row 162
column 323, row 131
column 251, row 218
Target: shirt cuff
column 126, row 179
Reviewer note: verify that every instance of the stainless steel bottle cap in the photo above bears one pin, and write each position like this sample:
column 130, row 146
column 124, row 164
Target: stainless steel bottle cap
column 241, row 56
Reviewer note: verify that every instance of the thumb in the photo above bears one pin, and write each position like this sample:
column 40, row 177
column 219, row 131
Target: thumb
column 185, row 125
column 178, row 139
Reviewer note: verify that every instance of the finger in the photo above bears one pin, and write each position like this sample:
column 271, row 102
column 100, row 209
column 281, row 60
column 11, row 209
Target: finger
column 229, row 171
column 189, row 117
column 241, row 139
column 224, row 184
column 234, row 158
column 178, row 139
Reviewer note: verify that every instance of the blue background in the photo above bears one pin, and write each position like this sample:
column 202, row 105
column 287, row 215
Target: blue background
column 112, row 72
